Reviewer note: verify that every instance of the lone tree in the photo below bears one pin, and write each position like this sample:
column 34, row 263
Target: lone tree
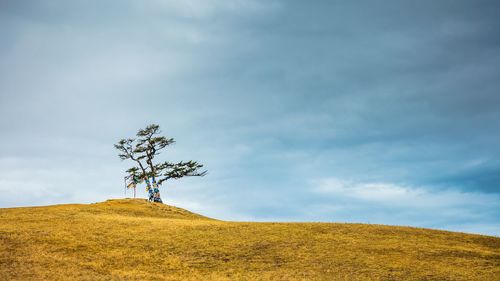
column 142, row 151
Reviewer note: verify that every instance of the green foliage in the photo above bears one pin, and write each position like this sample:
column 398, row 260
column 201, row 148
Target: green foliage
column 143, row 149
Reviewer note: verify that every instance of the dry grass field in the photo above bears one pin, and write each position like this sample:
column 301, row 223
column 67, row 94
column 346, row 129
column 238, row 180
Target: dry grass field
column 136, row 240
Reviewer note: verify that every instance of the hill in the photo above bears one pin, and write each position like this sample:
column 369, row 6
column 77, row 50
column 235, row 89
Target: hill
column 133, row 239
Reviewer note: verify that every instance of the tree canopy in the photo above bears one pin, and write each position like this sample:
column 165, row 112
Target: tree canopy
column 142, row 151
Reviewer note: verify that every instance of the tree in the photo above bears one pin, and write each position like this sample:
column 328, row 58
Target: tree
column 142, row 151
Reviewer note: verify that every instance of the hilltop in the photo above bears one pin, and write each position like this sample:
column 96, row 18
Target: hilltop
column 132, row 239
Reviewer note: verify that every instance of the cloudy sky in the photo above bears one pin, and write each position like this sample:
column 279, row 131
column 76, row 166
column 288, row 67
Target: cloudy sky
column 346, row 111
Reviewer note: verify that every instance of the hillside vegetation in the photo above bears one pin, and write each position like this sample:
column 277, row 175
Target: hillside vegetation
column 137, row 240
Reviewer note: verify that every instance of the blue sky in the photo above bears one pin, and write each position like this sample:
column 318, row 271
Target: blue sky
column 338, row 111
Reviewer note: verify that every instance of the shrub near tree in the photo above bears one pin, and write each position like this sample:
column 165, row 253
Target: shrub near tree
column 142, row 151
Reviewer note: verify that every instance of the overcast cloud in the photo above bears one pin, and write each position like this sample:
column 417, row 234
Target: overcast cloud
column 369, row 111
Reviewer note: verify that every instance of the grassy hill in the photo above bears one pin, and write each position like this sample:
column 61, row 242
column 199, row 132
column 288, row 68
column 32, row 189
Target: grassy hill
column 136, row 240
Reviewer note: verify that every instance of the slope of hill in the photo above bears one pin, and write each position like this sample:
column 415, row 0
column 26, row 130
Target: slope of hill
column 136, row 240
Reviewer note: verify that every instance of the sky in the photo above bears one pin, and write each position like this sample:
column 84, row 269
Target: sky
column 381, row 112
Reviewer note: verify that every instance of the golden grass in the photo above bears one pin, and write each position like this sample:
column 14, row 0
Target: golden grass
column 136, row 240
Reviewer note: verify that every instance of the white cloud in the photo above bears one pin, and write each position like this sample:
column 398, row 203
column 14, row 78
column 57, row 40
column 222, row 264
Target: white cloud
column 264, row 97
column 389, row 203
column 399, row 195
